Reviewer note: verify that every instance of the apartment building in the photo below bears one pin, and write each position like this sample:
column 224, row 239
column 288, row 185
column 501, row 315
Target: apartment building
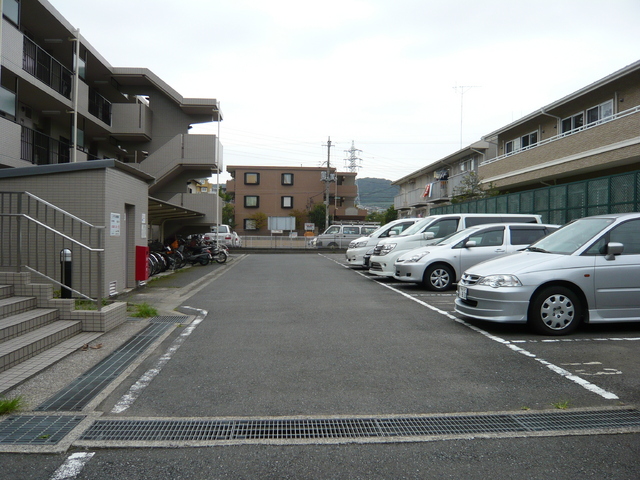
column 437, row 183
column 278, row 192
column 62, row 102
column 591, row 133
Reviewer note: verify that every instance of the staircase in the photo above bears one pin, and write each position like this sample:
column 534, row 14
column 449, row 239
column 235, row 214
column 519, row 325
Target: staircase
column 32, row 334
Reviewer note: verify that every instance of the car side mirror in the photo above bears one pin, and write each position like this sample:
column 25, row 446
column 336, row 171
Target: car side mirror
column 392, row 233
column 428, row 235
column 470, row 243
column 613, row 249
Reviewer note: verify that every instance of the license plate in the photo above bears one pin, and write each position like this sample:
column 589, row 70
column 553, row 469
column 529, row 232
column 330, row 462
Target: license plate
column 462, row 293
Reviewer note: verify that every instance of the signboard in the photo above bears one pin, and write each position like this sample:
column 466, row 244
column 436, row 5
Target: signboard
column 309, row 227
column 115, row 225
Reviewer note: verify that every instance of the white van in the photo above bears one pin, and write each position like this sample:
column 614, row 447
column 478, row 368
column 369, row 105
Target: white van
column 340, row 235
column 360, row 246
column 430, row 230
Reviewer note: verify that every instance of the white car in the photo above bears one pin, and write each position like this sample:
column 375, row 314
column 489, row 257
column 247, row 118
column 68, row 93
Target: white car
column 589, row 270
column 224, row 234
column 359, row 247
column 438, row 267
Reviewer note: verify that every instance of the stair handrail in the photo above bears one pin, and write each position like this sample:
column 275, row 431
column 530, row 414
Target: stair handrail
column 22, row 251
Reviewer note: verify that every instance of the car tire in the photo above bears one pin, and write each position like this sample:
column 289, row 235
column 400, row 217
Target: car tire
column 555, row 311
column 438, row 278
column 333, row 245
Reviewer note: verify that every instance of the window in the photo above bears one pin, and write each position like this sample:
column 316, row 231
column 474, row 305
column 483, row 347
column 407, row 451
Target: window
column 11, row 10
column 351, row 231
column 443, row 227
column 287, row 202
column 249, row 224
column 600, row 112
column 467, row 165
column 287, row 179
column 529, row 140
column 572, row 123
column 251, row 201
column 526, row 236
column 204, row 189
column 251, row 178
column 490, row 238
column 512, row 146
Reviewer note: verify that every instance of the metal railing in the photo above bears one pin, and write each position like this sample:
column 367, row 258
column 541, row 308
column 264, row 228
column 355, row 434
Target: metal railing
column 35, row 234
column 44, row 67
column 560, row 136
column 278, row 242
column 40, row 149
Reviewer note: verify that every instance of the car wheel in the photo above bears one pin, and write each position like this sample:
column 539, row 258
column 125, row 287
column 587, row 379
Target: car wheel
column 333, row 245
column 438, row 278
column 555, row 311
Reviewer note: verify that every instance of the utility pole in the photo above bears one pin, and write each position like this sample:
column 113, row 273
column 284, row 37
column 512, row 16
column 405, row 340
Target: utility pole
column 327, row 178
column 351, row 163
column 462, row 89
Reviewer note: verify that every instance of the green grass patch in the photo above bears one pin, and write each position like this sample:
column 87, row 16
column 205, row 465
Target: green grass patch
column 83, row 304
column 10, row 405
column 562, row 405
column 142, row 310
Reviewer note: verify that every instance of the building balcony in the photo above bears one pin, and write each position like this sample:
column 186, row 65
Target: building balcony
column 131, row 122
column 592, row 147
column 437, row 191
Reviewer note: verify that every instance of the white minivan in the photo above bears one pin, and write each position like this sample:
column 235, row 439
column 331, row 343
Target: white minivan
column 430, row 230
column 360, row 246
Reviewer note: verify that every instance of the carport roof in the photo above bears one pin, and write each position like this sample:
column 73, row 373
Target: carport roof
column 159, row 211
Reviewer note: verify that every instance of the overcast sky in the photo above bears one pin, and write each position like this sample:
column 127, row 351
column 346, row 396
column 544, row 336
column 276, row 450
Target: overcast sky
column 408, row 81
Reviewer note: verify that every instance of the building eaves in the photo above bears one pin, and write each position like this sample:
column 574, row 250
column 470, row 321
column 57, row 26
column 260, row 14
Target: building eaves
column 144, row 77
column 74, row 167
column 577, row 94
column 160, row 211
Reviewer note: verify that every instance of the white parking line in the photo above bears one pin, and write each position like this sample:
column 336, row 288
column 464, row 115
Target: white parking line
column 72, row 466
column 554, row 368
column 136, row 389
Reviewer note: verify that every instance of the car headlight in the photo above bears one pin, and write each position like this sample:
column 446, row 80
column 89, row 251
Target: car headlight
column 387, row 248
column 359, row 244
column 497, row 281
column 415, row 258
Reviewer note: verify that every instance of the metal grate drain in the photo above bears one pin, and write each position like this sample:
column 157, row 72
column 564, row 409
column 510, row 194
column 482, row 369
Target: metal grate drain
column 296, row 429
column 36, row 430
column 169, row 319
column 86, row 387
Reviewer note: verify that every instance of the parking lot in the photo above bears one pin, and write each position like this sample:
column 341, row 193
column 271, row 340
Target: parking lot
column 603, row 358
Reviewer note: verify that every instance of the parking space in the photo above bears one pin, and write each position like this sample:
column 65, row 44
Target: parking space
column 604, row 357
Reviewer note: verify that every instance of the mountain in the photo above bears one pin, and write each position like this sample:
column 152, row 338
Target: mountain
column 376, row 192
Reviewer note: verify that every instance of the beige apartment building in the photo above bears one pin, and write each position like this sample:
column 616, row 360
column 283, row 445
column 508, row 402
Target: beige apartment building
column 279, row 192
column 589, row 134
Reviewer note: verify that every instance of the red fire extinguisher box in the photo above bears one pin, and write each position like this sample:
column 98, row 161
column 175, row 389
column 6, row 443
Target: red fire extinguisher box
column 142, row 263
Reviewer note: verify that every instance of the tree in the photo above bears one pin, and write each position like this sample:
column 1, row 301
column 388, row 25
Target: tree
column 317, row 216
column 300, row 217
column 470, row 189
column 261, row 220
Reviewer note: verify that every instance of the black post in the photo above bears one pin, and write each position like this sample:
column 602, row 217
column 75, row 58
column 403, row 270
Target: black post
column 65, row 269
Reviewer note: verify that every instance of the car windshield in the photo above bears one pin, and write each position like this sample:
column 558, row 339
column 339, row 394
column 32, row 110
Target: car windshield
column 418, row 226
column 572, row 236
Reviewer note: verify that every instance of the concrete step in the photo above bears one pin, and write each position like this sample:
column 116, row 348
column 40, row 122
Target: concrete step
column 25, row 322
column 19, row 349
column 13, row 305
column 6, row 291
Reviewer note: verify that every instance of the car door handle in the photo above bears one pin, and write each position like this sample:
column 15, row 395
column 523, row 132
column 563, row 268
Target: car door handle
column 500, row 250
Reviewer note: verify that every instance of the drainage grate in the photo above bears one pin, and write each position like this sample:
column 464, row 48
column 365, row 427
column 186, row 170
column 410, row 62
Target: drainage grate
column 296, row 429
column 36, row 430
column 173, row 319
column 86, row 387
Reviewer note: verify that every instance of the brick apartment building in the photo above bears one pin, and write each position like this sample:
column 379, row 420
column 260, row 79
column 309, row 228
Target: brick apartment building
column 280, row 191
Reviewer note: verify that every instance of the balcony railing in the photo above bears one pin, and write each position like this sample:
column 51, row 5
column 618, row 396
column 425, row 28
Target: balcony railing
column 546, row 141
column 99, row 106
column 45, row 68
column 40, row 149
